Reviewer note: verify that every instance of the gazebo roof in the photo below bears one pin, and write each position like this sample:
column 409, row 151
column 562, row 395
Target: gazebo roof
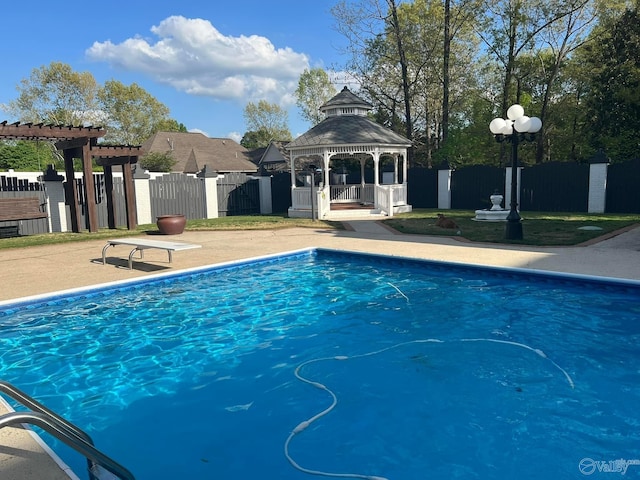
column 346, row 98
column 348, row 130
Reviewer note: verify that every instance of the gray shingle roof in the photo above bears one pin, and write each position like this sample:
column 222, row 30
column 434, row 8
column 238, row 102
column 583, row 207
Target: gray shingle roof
column 348, row 130
column 192, row 151
column 346, row 98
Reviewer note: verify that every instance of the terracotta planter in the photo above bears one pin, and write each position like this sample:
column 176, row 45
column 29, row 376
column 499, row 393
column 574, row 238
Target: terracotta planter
column 171, row 224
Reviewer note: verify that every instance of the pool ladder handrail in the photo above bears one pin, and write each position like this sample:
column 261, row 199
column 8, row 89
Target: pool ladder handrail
column 63, row 430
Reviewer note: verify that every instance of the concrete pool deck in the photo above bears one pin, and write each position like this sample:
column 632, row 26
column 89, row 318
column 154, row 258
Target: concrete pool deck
column 40, row 270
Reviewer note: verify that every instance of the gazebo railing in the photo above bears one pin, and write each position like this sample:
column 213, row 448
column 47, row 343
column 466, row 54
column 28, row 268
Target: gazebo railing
column 352, row 193
column 301, row 198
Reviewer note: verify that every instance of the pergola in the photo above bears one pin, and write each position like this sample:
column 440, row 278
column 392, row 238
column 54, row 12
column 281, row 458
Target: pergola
column 81, row 142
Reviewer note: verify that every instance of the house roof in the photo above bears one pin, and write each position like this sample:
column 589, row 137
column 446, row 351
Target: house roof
column 275, row 158
column 348, row 130
column 192, row 151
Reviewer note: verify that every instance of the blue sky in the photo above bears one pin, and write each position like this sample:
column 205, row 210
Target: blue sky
column 203, row 59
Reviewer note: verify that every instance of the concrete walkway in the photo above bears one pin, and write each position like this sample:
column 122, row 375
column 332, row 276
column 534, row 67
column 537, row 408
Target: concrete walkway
column 34, row 271
column 39, row 270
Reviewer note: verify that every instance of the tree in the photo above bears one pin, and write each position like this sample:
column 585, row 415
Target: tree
column 27, row 156
column 368, row 25
column 314, row 89
column 613, row 93
column 158, row 161
column 267, row 119
column 55, row 94
column 169, row 125
column 132, row 113
column 256, row 139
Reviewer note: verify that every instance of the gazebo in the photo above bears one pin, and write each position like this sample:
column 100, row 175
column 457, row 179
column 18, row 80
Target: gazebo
column 347, row 133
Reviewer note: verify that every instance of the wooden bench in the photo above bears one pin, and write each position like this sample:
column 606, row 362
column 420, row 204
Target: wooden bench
column 141, row 244
column 16, row 209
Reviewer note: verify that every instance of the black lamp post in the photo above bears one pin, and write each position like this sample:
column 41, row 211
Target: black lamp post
column 515, row 129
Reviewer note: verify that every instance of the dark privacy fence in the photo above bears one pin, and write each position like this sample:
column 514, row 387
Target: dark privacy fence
column 548, row 187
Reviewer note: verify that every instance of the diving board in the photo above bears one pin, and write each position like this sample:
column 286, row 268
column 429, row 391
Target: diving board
column 141, row 244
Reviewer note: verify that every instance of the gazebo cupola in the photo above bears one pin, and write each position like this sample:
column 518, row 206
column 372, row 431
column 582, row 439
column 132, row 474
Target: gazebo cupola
column 346, row 103
column 347, row 132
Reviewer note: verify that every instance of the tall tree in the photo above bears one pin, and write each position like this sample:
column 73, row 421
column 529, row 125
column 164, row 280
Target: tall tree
column 131, row 112
column 55, row 94
column 562, row 37
column 256, row 139
column 26, row 156
column 314, row 89
column 364, row 23
column 613, row 94
column 269, row 118
column 169, row 125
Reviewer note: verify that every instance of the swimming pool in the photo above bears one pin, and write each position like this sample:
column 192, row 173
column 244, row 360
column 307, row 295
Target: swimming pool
column 418, row 369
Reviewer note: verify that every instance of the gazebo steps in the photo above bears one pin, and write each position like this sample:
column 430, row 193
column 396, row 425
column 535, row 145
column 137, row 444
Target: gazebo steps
column 345, row 214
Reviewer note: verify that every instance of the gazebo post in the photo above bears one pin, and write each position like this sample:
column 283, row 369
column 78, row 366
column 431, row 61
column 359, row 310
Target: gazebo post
column 395, row 168
column 293, row 171
column 376, row 167
column 404, row 169
column 326, row 161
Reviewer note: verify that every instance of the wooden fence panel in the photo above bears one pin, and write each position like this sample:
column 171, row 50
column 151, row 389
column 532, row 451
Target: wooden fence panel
column 555, row 187
column 472, row 186
column 238, row 195
column 281, row 192
column 176, row 193
column 422, row 187
column 623, row 187
column 101, row 202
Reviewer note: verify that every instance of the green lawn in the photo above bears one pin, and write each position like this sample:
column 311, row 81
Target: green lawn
column 548, row 228
column 539, row 228
column 249, row 222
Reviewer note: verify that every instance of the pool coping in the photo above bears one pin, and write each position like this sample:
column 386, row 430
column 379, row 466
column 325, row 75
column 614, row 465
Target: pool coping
column 32, row 436
column 22, row 301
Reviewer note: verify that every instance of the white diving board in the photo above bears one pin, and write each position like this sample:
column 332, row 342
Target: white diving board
column 141, row 244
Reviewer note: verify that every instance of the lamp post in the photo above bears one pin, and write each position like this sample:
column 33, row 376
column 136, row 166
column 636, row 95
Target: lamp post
column 516, row 128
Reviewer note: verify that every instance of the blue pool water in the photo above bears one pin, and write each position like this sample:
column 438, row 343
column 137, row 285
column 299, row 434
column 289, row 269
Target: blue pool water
column 341, row 363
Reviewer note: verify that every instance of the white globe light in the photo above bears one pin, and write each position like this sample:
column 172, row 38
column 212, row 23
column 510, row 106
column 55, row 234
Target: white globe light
column 522, row 124
column 535, row 124
column 515, row 111
column 496, row 125
column 507, row 129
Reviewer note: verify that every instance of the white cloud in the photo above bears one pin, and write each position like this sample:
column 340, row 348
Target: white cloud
column 193, row 56
column 197, row 130
column 235, row 136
